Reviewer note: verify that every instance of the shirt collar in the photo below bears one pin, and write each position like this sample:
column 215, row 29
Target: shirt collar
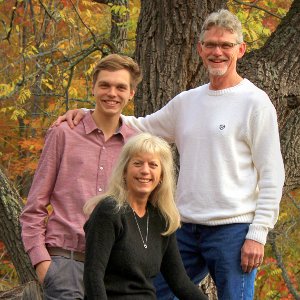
column 90, row 125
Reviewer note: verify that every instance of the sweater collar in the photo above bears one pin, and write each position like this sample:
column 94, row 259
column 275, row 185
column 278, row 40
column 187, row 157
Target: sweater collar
column 225, row 91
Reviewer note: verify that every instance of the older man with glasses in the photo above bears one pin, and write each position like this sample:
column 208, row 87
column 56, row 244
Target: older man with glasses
column 231, row 169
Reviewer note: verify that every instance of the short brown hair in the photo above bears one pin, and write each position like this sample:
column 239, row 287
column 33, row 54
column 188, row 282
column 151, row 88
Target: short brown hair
column 116, row 62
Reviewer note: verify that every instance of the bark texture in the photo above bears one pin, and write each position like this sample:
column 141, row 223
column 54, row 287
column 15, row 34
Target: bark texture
column 119, row 33
column 29, row 291
column 10, row 230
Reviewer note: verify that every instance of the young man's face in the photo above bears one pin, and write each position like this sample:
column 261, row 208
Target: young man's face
column 220, row 51
column 112, row 91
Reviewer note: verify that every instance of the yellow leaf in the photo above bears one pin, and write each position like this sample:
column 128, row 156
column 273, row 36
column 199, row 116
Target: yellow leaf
column 48, row 85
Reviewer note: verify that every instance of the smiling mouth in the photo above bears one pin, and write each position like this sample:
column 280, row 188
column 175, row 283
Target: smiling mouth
column 142, row 180
column 217, row 61
column 111, row 102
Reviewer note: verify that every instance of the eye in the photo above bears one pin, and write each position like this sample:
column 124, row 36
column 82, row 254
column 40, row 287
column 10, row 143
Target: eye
column 227, row 45
column 153, row 165
column 137, row 163
column 209, row 45
column 122, row 88
column 103, row 85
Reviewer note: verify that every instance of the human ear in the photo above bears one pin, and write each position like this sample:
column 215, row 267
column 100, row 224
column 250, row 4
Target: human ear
column 242, row 49
column 199, row 48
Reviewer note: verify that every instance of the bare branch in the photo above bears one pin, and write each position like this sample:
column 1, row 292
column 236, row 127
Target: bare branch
column 50, row 15
column 294, row 201
column 87, row 27
column 278, row 256
column 257, row 7
column 104, row 1
column 68, row 87
column 11, row 21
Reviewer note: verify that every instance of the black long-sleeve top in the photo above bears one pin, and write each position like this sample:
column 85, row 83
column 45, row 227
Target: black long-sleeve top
column 117, row 266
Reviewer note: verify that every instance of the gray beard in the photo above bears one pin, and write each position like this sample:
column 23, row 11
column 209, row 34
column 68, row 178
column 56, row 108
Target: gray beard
column 217, row 72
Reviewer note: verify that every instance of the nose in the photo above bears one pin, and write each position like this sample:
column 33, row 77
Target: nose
column 145, row 168
column 217, row 50
column 112, row 91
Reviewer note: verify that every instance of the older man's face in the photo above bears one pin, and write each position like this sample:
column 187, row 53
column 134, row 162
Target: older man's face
column 220, row 51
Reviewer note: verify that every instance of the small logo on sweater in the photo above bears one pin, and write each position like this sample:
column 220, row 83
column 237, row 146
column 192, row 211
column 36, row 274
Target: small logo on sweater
column 222, row 126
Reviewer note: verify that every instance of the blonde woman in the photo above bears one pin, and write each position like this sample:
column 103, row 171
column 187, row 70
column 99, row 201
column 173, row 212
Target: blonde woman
column 130, row 236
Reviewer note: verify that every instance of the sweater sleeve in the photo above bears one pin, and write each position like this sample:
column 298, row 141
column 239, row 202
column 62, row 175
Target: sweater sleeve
column 267, row 159
column 161, row 123
column 101, row 232
column 174, row 273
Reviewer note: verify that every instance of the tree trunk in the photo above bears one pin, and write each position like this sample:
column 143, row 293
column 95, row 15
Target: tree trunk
column 10, row 230
column 29, row 291
column 119, row 20
column 119, row 32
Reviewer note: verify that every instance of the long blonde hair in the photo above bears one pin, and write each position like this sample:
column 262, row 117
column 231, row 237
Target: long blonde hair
column 162, row 196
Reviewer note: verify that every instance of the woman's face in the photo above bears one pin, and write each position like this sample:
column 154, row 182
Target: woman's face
column 143, row 175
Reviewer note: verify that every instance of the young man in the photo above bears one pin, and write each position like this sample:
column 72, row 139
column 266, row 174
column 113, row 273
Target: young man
column 231, row 169
column 74, row 166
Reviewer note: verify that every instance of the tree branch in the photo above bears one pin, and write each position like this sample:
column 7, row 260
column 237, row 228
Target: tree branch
column 73, row 60
column 50, row 15
column 104, row 1
column 294, row 201
column 11, row 21
column 281, row 265
column 258, row 7
column 87, row 27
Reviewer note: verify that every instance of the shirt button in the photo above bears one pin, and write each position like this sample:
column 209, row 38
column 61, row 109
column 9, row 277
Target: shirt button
column 101, row 168
column 100, row 190
column 103, row 148
column 99, row 130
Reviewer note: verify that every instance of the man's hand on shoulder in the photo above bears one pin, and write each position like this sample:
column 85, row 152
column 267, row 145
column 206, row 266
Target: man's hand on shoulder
column 252, row 255
column 72, row 116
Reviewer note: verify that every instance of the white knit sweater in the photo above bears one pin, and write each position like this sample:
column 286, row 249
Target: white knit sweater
column 231, row 168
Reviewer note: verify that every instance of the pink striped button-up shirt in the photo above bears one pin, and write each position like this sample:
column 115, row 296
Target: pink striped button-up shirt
column 74, row 166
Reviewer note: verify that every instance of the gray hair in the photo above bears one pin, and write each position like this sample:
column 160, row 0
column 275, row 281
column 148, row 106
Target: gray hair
column 225, row 19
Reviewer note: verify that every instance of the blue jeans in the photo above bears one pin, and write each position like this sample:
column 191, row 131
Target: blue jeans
column 217, row 250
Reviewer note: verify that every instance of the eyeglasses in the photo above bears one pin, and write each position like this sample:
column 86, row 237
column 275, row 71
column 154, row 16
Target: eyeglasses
column 223, row 46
